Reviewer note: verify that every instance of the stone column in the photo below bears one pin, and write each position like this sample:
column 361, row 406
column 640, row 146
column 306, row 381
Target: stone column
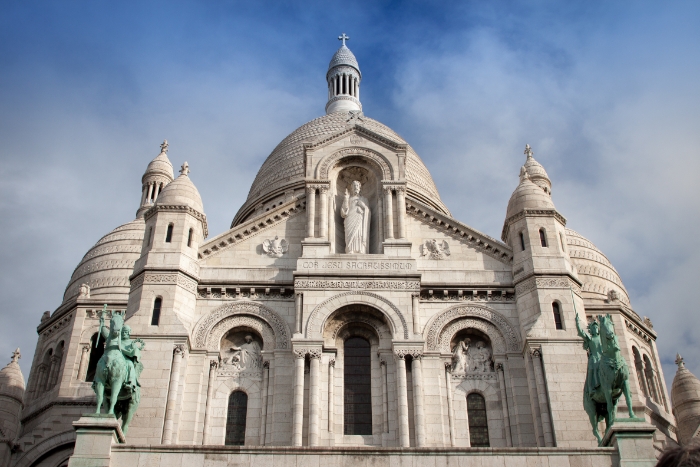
column 536, row 354
column 298, row 407
column 331, row 395
column 53, row 372
column 323, row 228
column 206, row 435
column 149, row 192
column 157, row 191
column 263, row 411
column 315, row 356
column 298, row 302
column 419, row 413
column 504, row 403
column 310, row 211
column 415, row 302
column 144, row 194
column 388, row 209
column 401, row 208
column 170, row 411
column 84, row 361
column 385, row 398
column 450, row 412
column 402, row 393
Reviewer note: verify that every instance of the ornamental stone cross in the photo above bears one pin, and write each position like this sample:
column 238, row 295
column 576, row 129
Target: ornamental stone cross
column 343, row 38
column 185, row 169
column 679, row 361
column 528, row 151
column 164, row 146
column 16, row 355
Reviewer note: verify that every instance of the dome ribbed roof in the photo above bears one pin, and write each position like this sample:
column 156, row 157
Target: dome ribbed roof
column 528, row 196
column 685, row 396
column 12, row 379
column 106, row 267
column 343, row 56
column 181, row 192
column 593, row 267
column 285, row 166
column 537, row 174
column 160, row 165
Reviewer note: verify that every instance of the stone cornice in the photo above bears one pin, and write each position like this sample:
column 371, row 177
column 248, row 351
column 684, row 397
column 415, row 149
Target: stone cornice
column 179, row 208
column 361, row 130
column 61, row 403
column 530, row 213
column 251, row 228
column 473, row 238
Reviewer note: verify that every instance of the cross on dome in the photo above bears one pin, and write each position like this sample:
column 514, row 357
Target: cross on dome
column 343, row 38
column 16, row 355
column 164, row 146
column 679, row 361
column 528, row 151
column 185, row 169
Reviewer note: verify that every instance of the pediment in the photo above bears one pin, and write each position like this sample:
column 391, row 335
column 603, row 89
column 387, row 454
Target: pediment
column 358, row 130
column 463, row 233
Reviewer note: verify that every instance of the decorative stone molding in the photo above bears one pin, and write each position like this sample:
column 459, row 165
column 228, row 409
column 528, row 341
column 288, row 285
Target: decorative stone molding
column 467, row 296
column 232, row 322
column 476, row 376
column 488, row 319
column 314, row 326
column 177, row 208
column 351, row 284
column 179, row 349
column 165, row 278
column 498, row 342
column 205, row 325
column 331, row 160
column 530, row 213
column 536, row 352
column 56, row 326
column 401, row 353
column 461, row 232
column 239, row 293
column 546, row 283
column 312, row 352
column 337, row 323
column 251, row 228
column 638, row 331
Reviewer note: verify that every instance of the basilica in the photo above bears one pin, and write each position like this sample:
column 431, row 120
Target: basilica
column 345, row 317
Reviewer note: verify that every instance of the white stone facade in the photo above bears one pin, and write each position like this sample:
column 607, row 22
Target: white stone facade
column 281, row 275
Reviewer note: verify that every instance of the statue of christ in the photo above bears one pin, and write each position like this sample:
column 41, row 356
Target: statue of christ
column 356, row 212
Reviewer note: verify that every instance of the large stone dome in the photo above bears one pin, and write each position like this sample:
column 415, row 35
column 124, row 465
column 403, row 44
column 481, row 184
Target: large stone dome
column 106, row 267
column 594, row 269
column 284, row 168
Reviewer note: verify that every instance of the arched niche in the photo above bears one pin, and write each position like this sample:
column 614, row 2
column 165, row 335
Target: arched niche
column 367, row 321
column 472, row 351
column 342, row 176
column 241, row 348
column 267, row 323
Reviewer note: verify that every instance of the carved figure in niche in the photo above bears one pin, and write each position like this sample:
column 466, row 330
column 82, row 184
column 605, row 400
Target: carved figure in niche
column 481, row 356
column 84, row 291
column 247, row 356
column 275, row 248
column 460, row 356
column 434, row 249
column 356, row 212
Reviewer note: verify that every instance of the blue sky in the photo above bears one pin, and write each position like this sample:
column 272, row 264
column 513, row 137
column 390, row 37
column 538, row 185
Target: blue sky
column 605, row 92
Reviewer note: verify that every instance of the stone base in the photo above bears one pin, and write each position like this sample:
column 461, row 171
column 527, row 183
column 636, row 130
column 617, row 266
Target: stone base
column 96, row 433
column 315, row 247
column 397, row 248
column 634, row 440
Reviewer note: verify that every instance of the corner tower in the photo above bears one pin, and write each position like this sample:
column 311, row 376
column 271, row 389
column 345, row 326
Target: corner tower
column 343, row 79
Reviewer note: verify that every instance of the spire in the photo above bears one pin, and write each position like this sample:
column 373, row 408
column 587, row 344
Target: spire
column 535, row 171
column 343, row 78
column 158, row 174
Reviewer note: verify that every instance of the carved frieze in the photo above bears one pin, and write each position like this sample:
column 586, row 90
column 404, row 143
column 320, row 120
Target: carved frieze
column 546, row 283
column 350, row 284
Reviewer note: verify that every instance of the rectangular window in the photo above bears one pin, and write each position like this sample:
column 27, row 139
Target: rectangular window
column 155, row 318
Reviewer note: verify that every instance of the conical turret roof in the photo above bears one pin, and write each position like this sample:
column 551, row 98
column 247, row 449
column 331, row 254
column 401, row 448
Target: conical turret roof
column 12, row 379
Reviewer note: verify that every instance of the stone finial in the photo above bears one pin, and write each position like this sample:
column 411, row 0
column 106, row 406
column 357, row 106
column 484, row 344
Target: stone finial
column 46, row 315
column 185, row 169
column 16, row 355
column 523, row 174
column 343, row 38
column 528, row 151
column 679, row 361
column 164, row 147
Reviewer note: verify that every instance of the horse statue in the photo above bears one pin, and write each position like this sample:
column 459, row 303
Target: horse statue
column 608, row 375
column 118, row 370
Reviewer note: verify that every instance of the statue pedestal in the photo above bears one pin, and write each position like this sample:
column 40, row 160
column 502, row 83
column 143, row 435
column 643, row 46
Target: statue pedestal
column 93, row 444
column 634, row 440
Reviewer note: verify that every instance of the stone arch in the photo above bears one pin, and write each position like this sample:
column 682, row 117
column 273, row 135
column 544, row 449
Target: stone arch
column 329, row 161
column 320, row 314
column 222, row 327
column 355, row 329
column 61, row 441
column 223, row 390
column 495, row 325
column 278, row 329
column 338, row 321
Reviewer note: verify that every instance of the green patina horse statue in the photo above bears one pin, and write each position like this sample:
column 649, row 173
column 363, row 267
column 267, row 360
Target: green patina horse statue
column 118, row 370
column 607, row 377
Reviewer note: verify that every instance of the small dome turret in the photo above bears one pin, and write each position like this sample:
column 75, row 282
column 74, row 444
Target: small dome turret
column 11, row 378
column 685, row 395
column 181, row 192
column 343, row 79
column 158, row 174
column 527, row 195
column 536, row 172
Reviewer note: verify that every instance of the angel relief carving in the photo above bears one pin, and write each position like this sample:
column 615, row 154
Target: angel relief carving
column 471, row 353
column 276, row 247
column 434, row 249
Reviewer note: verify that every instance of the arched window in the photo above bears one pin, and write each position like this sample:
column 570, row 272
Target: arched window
column 189, row 238
column 561, row 239
column 358, row 387
column 478, row 423
column 150, row 236
column 640, row 371
column 649, row 372
column 96, row 352
column 235, row 419
column 522, row 241
column 155, row 317
column 56, row 365
column 169, row 234
column 43, row 374
column 543, row 238
column 558, row 324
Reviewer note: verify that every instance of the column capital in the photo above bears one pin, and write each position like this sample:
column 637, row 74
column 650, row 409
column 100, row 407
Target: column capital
column 536, row 352
column 499, row 367
column 331, row 362
column 213, row 365
column 179, row 350
column 401, row 353
column 448, row 367
column 266, row 364
column 86, row 348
